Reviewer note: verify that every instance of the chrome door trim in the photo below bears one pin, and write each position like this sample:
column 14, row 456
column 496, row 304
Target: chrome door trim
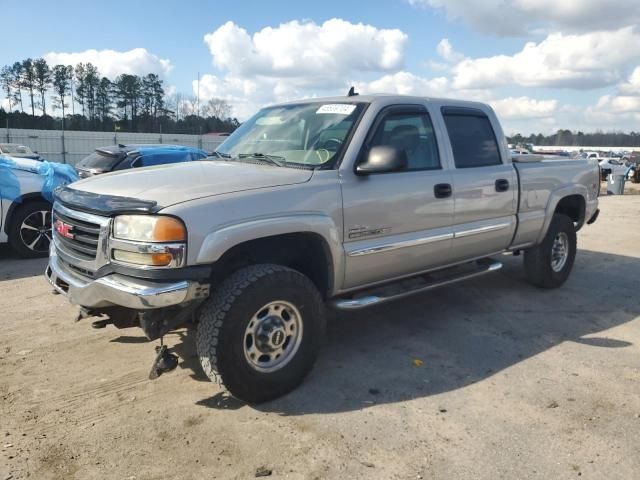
column 480, row 230
column 402, row 244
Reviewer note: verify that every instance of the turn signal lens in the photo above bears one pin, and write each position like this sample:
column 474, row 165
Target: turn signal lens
column 169, row 229
column 150, row 259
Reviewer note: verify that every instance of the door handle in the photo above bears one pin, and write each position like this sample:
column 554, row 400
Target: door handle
column 442, row 190
column 502, row 185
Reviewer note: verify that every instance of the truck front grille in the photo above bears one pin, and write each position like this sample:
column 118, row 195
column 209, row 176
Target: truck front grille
column 83, row 237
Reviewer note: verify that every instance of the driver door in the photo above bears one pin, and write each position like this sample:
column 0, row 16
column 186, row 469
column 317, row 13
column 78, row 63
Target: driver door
column 398, row 223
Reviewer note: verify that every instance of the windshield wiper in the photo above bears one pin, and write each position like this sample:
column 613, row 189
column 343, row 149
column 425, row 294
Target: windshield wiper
column 221, row 155
column 274, row 159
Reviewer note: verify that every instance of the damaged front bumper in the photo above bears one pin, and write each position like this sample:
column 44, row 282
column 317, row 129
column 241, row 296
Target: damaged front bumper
column 120, row 290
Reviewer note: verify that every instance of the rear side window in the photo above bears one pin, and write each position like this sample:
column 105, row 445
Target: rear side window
column 472, row 140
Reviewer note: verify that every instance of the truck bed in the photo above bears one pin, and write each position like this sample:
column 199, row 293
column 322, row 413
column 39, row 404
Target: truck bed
column 542, row 180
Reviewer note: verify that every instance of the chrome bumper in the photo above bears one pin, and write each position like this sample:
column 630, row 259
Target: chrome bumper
column 120, row 290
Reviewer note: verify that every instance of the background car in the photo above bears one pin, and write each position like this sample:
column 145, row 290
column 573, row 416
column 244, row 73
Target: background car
column 122, row 157
column 16, row 150
column 26, row 196
column 611, row 165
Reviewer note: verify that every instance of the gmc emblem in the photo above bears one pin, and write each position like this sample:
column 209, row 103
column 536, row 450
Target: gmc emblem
column 63, row 229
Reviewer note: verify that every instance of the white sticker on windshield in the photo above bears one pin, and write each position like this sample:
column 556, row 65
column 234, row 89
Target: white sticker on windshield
column 337, row 109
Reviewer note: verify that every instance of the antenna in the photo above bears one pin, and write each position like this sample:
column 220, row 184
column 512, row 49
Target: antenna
column 352, row 92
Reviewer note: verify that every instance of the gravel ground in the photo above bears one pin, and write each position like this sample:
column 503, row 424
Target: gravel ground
column 487, row 379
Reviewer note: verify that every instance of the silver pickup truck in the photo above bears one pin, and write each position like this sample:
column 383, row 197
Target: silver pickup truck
column 347, row 202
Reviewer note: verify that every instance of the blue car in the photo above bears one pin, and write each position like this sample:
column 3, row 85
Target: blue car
column 122, row 157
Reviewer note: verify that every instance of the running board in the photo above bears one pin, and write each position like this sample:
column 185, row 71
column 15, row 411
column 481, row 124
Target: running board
column 421, row 283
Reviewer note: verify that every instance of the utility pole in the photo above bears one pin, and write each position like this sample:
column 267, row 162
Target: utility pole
column 64, row 153
column 198, row 97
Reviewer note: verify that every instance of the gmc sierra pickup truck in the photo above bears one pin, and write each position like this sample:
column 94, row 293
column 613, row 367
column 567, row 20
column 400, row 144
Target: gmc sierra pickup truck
column 347, row 202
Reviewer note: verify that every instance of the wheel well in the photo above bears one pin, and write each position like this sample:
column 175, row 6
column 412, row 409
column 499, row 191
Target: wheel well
column 574, row 207
column 17, row 203
column 305, row 252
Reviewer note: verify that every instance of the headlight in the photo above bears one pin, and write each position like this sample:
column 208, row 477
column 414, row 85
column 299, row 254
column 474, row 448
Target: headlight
column 148, row 240
column 149, row 228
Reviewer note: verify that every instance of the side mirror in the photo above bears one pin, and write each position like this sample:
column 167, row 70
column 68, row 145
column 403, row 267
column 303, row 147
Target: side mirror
column 383, row 159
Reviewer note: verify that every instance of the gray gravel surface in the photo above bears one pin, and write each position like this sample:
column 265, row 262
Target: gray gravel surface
column 488, row 379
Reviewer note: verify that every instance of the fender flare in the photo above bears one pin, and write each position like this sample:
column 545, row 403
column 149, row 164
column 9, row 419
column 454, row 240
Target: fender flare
column 218, row 242
column 553, row 201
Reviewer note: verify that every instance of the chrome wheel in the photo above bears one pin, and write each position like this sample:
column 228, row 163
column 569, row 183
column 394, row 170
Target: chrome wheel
column 273, row 336
column 35, row 231
column 559, row 251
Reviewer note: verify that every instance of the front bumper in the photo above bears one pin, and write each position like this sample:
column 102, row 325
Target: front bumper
column 116, row 289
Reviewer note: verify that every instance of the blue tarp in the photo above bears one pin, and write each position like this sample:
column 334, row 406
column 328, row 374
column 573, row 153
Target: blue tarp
column 169, row 154
column 54, row 175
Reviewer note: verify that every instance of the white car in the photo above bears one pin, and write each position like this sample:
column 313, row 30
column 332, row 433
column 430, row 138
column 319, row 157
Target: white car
column 611, row 165
column 16, row 150
column 25, row 212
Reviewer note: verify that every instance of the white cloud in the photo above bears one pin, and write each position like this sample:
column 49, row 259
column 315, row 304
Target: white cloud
column 520, row 108
column 619, row 104
column 295, row 60
column 517, row 17
column 576, row 61
column 112, row 63
column 406, row 83
column 632, row 85
column 307, row 53
column 446, row 51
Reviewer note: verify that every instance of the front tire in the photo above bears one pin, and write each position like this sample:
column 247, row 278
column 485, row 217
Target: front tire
column 260, row 332
column 30, row 229
column 549, row 264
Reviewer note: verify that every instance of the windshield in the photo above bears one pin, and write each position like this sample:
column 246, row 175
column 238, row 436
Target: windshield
column 309, row 134
column 15, row 149
column 100, row 160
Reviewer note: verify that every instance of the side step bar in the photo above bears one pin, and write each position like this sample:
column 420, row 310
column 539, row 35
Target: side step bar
column 421, row 283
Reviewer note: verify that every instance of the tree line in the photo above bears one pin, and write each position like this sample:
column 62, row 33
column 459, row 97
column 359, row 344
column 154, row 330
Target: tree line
column 567, row 138
column 83, row 99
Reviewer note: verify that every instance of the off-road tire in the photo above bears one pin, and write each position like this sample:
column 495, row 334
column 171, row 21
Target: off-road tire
column 537, row 260
column 224, row 317
column 19, row 215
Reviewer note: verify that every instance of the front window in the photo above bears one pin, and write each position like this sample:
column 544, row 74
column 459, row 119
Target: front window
column 308, row 134
column 100, row 160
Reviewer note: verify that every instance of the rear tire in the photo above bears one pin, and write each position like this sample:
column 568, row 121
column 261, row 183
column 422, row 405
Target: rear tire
column 260, row 332
column 30, row 229
column 549, row 264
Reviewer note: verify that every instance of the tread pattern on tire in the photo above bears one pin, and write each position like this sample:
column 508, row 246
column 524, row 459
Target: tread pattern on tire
column 214, row 311
column 536, row 262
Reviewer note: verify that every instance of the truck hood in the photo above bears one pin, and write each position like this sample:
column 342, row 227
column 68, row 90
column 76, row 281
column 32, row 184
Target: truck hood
column 181, row 182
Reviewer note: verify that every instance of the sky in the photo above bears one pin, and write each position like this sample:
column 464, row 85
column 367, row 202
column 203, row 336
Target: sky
column 541, row 64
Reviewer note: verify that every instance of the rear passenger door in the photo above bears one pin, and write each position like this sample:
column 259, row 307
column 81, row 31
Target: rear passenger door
column 485, row 185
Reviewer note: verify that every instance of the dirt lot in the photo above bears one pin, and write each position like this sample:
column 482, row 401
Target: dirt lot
column 515, row 383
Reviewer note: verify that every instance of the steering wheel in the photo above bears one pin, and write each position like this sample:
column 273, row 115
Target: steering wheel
column 331, row 144
column 323, row 151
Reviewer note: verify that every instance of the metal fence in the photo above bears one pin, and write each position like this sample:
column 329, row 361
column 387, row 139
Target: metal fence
column 71, row 146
